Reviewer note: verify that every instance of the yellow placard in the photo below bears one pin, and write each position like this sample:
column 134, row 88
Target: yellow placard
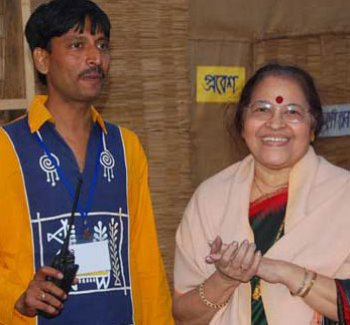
column 219, row 84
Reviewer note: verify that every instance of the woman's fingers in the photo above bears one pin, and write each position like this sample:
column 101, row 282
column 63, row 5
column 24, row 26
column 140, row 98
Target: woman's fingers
column 215, row 246
column 253, row 269
column 247, row 260
column 229, row 254
column 241, row 253
column 217, row 249
column 239, row 262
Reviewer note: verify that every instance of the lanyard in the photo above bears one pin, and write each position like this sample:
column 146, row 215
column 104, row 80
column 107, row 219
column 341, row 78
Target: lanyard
column 83, row 211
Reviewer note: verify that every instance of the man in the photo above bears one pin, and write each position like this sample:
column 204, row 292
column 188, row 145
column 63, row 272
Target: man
column 60, row 141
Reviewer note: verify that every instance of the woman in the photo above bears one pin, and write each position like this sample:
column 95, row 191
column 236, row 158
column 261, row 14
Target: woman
column 263, row 241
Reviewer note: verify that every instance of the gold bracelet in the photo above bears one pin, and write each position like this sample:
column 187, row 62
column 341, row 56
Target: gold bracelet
column 302, row 285
column 207, row 302
column 309, row 285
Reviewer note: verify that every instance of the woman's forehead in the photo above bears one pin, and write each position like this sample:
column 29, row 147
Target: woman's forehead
column 278, row 88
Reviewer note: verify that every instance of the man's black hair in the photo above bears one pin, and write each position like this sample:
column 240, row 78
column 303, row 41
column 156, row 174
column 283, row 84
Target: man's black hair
column 57, row 17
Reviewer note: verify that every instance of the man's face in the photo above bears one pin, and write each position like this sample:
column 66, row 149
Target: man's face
column 77, row 65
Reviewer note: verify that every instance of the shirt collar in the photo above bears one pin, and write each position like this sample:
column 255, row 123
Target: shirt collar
column 38, row 114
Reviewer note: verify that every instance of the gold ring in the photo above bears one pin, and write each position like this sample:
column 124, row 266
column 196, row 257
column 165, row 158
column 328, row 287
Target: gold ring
column 43, row 296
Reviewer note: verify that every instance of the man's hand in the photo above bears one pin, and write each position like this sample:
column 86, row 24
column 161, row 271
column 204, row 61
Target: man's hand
column 42, row 295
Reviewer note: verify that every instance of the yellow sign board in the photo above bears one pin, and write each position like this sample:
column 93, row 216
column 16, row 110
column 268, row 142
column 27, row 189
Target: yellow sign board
column 219, row 84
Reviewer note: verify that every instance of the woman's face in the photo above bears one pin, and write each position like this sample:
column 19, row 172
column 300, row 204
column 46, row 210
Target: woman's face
column 277, row 126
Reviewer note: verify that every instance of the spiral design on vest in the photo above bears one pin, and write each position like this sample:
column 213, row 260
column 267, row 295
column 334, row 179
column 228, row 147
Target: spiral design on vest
column 46, row 163
column 106, row 159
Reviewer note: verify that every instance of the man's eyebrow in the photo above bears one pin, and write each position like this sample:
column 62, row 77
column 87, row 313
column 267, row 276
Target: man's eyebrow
column 74, row 36
column 103, row 39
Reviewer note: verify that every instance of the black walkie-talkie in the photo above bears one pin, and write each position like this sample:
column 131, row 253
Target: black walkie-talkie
column 65, row 260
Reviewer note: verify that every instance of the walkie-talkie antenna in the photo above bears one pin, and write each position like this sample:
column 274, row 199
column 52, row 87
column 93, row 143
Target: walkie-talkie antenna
column 64, row 249
column 64, row 261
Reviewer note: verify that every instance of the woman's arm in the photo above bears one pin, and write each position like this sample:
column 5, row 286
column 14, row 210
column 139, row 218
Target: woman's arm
column 188, row 308
column 322, row 296
column 235, row 264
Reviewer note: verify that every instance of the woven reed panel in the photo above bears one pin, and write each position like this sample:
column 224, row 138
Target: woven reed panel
column 327, row 59
column 213, row 149
column 12, row 83
column 148, row 92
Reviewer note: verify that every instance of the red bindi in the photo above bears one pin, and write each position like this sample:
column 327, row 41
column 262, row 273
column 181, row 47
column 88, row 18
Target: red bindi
column 279, row 99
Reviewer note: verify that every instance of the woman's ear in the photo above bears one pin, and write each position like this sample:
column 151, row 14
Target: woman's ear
column 40, row 58
column 312, row 138
column 243, row 133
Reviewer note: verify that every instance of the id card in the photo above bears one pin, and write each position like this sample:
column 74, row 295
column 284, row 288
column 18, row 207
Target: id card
column 92, row 257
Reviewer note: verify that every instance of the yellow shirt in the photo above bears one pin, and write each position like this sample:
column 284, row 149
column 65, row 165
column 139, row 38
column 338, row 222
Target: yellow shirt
column 150, row 292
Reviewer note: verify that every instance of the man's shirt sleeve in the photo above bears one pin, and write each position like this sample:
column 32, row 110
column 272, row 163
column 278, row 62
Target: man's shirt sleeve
column 150, row 287
column 16, row 256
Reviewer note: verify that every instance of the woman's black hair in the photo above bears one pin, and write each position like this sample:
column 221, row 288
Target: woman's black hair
column 57, row 17
column 236, row 122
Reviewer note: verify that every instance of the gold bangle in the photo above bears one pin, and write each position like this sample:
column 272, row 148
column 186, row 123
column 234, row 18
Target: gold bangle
column 309, row 285
column 302, row 285
column 207, row 302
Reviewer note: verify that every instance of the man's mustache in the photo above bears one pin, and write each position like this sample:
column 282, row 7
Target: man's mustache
column 93, row 70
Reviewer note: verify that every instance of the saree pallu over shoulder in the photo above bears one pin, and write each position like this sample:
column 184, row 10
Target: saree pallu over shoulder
column 316, row 215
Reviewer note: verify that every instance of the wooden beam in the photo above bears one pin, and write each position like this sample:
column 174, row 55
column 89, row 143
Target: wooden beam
column 13, row 104
column 28, row 63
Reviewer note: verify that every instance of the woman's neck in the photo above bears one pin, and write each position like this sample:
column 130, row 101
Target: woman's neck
column 267, row 181
column 273, row 178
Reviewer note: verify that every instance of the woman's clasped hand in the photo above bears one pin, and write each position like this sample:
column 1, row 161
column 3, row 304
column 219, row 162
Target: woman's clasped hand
column 234, row 261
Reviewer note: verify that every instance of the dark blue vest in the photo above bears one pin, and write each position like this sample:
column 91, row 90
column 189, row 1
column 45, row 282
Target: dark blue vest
column 100, row 299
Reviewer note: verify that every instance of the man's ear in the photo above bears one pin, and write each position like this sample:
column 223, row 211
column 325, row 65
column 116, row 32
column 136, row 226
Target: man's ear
column 41, row 60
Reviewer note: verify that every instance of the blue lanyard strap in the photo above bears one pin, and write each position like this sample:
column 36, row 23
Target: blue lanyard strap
column 67, row 184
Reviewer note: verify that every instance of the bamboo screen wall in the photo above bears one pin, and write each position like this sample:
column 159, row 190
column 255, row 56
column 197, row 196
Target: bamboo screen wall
column 11, row 51
column 148, row 92
column 15, row 79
